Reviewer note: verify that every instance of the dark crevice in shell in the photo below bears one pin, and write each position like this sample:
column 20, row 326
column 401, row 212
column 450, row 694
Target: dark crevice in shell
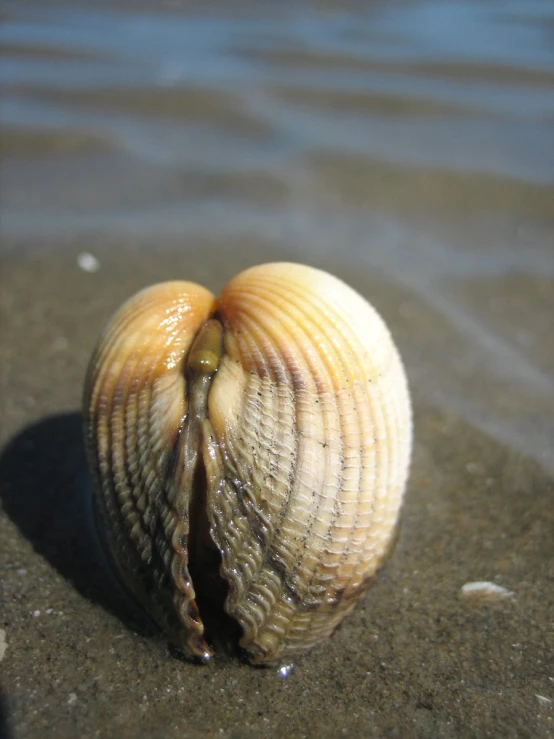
column 221, row 631
column 203, row 556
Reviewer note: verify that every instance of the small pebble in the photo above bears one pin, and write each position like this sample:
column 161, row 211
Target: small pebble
column 483, row 590
column 88, row 262
column 72, row 699
column 285, row 670
column 59, row 344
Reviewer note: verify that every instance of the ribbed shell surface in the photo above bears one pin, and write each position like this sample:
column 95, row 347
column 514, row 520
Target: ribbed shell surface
column 135, row 403
column 305, row 443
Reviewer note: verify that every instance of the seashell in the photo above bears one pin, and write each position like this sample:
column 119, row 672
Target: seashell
column 484, row 591
column 255, row 446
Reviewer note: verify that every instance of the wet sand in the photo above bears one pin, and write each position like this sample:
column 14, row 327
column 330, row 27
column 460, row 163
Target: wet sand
column 456, row 251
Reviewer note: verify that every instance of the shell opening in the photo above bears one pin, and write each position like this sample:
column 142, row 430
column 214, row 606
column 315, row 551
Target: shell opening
column 221, row 631
column 204, row 558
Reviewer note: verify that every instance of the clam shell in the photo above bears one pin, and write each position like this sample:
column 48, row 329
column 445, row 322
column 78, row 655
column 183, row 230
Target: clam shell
column 272, row 425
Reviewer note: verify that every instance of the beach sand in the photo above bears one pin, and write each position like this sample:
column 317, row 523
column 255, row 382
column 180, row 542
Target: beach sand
column 415, row 658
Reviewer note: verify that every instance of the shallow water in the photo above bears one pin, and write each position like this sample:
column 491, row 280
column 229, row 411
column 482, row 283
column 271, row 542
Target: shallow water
column 406, row 146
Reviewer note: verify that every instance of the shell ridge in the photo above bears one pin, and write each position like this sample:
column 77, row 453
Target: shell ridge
column 353, row 341
column 236, row 473
column 269, row 553
column 130, row 313
column 299, row 316
column 348, row 327
column 399, row 426
column 136, row 369
column 224, row 528
column 165, row 519
column 130, row 521
column 288, row 579
column 345, row 331
column 167, row 527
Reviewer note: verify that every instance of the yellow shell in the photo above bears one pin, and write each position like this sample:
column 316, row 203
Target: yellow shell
column 262, row 440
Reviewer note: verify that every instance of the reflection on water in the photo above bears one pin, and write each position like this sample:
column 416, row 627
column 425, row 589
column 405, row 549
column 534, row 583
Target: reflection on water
column 418, row 136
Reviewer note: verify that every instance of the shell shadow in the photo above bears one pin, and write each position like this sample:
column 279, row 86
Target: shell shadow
column 45, row 489
column 5, row 728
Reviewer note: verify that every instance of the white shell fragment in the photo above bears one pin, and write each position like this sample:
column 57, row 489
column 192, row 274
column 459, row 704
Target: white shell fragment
column 88, row 262
column 486, row 591
column 3, row 644
column 257, row 443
